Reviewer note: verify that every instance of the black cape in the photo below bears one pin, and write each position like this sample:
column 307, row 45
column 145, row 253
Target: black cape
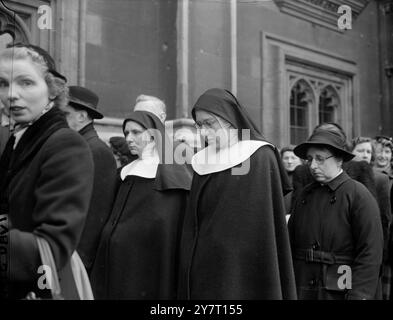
column 137, row 255
column 235, row 242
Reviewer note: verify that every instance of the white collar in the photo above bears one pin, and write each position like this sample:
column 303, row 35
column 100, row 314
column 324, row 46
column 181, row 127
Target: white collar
column 145, row 167
column 209, row 161
column 18, row 134
column 4, row 120
column 339, row 172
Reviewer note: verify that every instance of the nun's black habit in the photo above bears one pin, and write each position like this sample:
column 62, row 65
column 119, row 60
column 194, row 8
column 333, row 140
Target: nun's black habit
column 137, row 255
column 235, row 242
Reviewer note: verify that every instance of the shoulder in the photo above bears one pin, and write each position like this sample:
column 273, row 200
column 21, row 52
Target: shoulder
column 265, row 153
column 65, row 141
column 380, row 177
column 96, row 143
column 357, row 191
column 66, row 137
column 358, row 169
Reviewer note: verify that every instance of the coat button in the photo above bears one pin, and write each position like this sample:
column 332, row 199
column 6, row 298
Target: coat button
column 304, row 201
column 316, row 245
column 333, row 199
column 312, row 282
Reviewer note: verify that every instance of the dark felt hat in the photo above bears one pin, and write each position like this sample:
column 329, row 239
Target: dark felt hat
column 85, row 99
column 324, row 138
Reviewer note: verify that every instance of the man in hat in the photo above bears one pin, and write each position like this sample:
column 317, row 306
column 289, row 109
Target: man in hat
column 80, row 113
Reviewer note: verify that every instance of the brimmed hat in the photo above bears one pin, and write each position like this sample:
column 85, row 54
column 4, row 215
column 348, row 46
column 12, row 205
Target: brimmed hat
column 324, row 138
column 85, row 99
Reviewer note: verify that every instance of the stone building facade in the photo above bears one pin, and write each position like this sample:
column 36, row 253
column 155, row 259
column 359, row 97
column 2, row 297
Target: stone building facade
column 289, row 61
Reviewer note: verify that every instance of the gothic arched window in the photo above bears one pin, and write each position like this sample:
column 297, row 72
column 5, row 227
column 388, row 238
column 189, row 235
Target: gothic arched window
column 328, row 104
column 301, row 98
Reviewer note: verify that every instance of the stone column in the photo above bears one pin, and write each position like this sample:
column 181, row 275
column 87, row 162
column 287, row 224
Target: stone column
column 386, row 65
column 70, row 40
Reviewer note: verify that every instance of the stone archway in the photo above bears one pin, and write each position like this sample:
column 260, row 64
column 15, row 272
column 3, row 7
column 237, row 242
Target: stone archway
column 12, row 24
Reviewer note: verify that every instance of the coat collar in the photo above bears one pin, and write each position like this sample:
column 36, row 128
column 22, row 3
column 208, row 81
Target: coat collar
column 39, row 132
column 334, row 184
column 88, row 131
column 209, row 161
column 338, row 181
column 31, row 142
column 145, row 168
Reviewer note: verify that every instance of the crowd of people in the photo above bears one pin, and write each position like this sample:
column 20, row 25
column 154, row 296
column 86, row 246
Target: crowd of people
column 240, row 219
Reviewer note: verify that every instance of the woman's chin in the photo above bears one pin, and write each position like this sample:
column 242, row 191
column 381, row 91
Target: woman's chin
column 382, row 164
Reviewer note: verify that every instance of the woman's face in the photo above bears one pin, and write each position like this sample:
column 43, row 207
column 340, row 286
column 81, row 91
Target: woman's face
column 363, row 152
column 323, row 165
column 383, row 155
column 23, row 89
column 137, row 137
column 211, row 129
column 290, row 161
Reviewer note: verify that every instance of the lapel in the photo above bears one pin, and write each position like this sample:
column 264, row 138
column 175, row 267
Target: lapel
column 34, row 137
column 88, row 132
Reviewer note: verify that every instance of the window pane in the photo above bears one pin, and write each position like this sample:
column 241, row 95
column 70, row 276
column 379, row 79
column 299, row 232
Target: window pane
column 328, row 103
column 299, row 113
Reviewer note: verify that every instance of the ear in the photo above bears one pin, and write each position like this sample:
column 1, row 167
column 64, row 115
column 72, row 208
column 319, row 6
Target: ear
column 82, row 116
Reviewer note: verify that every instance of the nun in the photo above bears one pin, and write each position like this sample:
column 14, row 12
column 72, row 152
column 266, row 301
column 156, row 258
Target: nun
column 235, row 242
column 137, row 255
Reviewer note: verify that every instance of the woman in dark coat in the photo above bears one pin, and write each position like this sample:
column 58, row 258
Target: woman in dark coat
column 235, row 241
column 362, row 148
column 46, row 170
column 335, row 227
column 383, row 147
column 290, row 162
column 137, row 255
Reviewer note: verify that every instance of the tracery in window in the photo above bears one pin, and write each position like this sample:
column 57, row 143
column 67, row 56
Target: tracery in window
column 328, row 104
column 300, row 102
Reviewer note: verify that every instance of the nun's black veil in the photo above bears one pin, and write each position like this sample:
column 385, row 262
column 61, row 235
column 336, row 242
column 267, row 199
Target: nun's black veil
column 224, row 104
column 169, row 175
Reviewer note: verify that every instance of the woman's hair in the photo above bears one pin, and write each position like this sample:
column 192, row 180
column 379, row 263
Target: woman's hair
column 359, row 140
column 385, row 142
column 57, row 86
column 285, row 149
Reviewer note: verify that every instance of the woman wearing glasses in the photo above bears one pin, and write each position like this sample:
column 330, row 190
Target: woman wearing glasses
column 235, row 241
column 335, row 227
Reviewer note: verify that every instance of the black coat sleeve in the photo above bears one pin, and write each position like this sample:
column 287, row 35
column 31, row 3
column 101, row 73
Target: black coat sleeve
column 62, row 193
column 101, row 201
